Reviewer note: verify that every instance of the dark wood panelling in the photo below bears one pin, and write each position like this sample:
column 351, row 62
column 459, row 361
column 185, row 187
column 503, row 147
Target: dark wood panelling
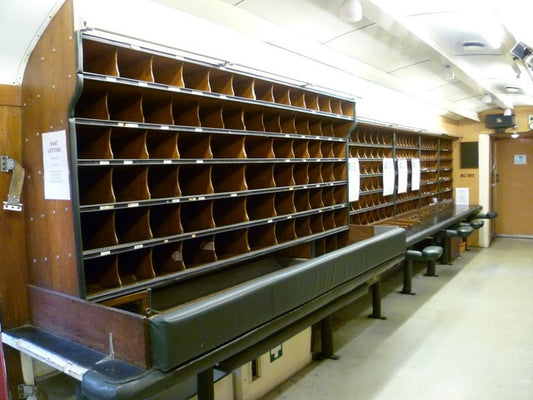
column 91, row 324
column 48, row 86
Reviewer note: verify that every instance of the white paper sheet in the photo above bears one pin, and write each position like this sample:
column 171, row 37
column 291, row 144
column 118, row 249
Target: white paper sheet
column 462, row 196
column 354, row 179
column 55, row 166
column 402, row 175
column 388, row 176
column 415, row 174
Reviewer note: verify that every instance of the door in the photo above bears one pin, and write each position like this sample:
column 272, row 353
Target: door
column 513, row 195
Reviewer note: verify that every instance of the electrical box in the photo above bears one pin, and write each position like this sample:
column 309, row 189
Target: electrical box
column 255, row 379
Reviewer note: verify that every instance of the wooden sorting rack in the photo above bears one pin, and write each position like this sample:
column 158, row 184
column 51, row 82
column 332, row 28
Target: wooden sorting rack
column 184, row 166
column 371, row 143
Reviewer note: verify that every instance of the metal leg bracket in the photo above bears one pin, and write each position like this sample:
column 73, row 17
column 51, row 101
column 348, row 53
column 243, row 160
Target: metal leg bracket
column 17, row 180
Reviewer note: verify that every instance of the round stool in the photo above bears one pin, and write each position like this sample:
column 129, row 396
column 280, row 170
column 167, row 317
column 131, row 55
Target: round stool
column 477, row 223
column 429, row 254
column 487, row 215
column 460, row 231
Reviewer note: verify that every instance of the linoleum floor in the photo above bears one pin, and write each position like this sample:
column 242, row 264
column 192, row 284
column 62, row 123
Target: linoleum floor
column 465, row 335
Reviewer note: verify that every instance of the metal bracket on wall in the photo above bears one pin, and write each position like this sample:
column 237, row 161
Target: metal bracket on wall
column 15, row 188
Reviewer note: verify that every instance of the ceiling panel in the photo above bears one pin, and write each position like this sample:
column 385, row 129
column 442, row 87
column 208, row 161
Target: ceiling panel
column 468, row 26
column 490, row 67
column 376, row 47
column 422, row 76
column 301, row 16
column 454, row 91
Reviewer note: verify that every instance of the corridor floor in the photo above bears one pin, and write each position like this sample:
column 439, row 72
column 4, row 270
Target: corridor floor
column 466, row 335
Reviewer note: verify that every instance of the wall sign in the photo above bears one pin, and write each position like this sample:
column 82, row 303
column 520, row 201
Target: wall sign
column 462, row 196
column 55, row 166
column 388, row 176
column 415, row 174
column 354, row 179
column 402, row 175
column 520, row 159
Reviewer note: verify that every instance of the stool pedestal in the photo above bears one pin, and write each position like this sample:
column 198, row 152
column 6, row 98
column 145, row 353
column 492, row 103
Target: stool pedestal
column 429, row 254
column 460, row 231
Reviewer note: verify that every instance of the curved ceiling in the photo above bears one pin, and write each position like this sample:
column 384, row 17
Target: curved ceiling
column 439, row 52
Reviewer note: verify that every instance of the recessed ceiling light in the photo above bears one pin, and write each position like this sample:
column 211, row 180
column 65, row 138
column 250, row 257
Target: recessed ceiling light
column 512, row 89
column 473, row 45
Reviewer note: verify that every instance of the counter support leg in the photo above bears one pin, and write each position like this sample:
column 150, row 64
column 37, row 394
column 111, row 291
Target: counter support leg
column 206, row 389
column 407, row 277
column 446, row 250
column 326, row 339
column 376, row 299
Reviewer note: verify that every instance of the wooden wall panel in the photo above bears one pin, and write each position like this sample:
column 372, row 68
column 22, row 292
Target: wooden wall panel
column 13, row 267
column 48, row 87
column 13, row 273
column 10, row 95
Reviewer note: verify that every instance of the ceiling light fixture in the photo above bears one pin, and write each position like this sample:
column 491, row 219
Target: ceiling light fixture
column 473, row 45
column 448, row 73
column 351, row 11
column 512, row 89
column 487, row 99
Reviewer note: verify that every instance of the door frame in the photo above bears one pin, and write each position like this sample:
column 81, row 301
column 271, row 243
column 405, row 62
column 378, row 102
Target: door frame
column 486, row 187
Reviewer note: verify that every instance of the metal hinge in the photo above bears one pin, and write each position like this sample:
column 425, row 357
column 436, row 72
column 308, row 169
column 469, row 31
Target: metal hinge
column 15, row 188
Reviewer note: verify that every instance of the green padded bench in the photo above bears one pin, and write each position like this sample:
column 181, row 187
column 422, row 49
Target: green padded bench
column 192, row 337
column 189, row 330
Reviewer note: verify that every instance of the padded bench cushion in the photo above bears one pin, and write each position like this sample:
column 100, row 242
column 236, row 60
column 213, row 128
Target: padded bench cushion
column 200, row 326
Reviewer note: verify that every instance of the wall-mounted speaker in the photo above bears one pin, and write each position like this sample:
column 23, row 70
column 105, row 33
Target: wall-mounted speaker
column 499, row 121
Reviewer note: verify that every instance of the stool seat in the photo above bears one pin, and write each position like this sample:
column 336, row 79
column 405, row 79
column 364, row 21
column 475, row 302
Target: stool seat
column 464, row 231
column 487, row 215
column 477, row 223
column 428, row 254
column 461, row 231
column 432, row 252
